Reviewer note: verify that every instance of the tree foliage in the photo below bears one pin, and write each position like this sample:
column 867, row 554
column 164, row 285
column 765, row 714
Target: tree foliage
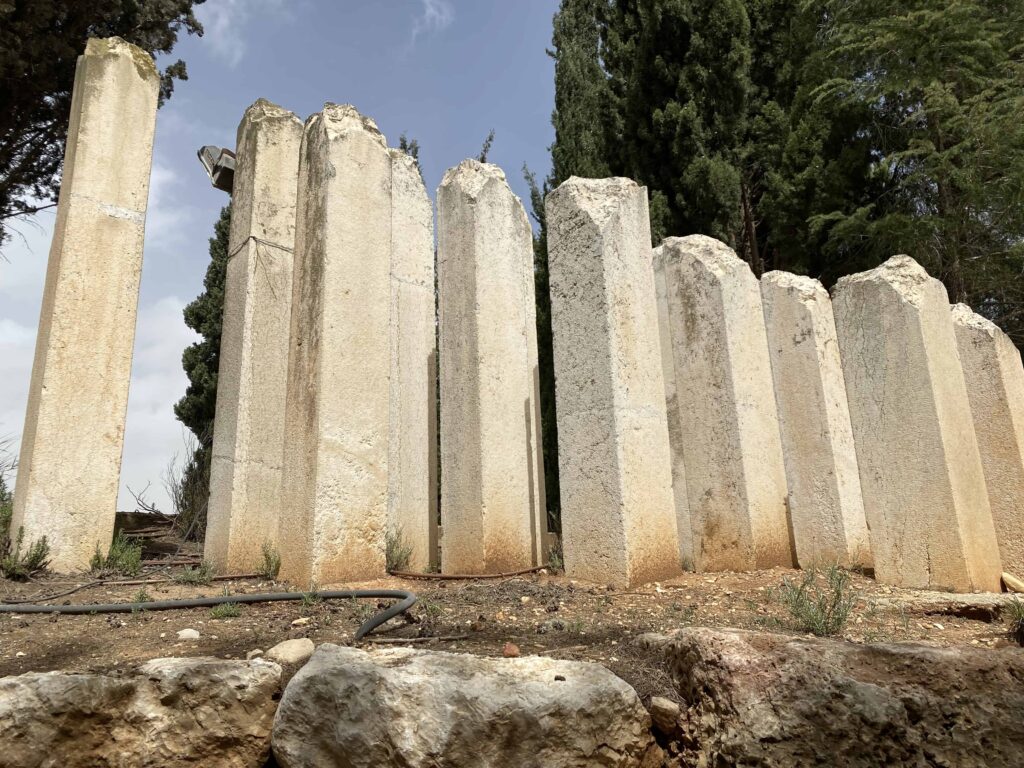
column 40, row 42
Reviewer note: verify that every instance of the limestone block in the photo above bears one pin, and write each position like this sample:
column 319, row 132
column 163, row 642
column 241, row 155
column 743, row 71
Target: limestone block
column 995, row 390
column 492, row 504
column 335, row 497
column 920, row 468
column 826, row 507
column 728, row 434
column 248, row 438
column 412, row 448
column 74, row 427
column 618, row 512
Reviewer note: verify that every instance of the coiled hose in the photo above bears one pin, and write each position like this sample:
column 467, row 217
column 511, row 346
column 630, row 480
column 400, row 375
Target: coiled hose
column 406, row 601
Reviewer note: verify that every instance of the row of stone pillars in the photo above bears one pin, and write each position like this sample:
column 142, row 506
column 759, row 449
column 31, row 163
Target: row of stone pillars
column 706, row 420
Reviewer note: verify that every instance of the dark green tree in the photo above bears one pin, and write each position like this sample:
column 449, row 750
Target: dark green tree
column 201, row 361
column 40, row 42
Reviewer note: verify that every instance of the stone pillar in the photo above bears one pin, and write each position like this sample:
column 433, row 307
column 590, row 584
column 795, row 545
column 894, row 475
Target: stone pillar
column 728, row 435
column 491, row 467
column 615, row 469
column 920, row 469
column 412, row 452
column 826, row 508
column 70, row 459
column 995, row 389
column 248, row 438
column 335, row 500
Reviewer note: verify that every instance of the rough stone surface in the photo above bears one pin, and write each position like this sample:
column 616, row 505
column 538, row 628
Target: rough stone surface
column 248, row 438
column 492, row 505
column 415, row 708
column 779, row 701
column 70, row 460
column 665, row 714
column 169, row 712
column 826, row 508
column 291, row 652
column 725, row 423
column 412, row 447
column 619, row 519
column 995, row 389
column 338, row 410
column 920, row 468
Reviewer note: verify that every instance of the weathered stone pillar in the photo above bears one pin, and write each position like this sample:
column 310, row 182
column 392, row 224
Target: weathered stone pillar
column 71, row 446
column 920, row 469
column 412, row 452
column 492, row 503
column 615, row 469
column 729, row 429
column 335, row 501
column 826, row 508
column 248, row 438
column 995, row 389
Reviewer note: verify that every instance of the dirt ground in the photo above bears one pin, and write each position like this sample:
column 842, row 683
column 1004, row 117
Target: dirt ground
column 541, row 613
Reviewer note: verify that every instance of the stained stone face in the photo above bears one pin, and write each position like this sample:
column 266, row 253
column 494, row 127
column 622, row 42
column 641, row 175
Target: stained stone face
column 70, row 460
column 618, row 513
column 492, row 503
column 920, row 468
column 248, row 439
column 995, row 390
column 826, row 507
column 726, row 429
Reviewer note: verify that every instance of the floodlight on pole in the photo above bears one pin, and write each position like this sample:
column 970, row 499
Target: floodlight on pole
column 219, row 164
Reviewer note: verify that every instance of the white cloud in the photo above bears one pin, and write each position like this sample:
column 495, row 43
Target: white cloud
column 437, row 15
column 224, row 23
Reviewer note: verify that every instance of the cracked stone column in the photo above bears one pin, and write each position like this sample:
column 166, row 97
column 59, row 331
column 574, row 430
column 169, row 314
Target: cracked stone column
column 615, row 468
column 248, row 438
column 71, row 446
column 412, row 457
column 492, row 502
column 826, row 507
column 335, row 498
column 729, row 429
column 920, row 468
column 995, row 390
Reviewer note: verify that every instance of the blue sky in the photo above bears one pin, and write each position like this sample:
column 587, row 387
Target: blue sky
column 445, row 72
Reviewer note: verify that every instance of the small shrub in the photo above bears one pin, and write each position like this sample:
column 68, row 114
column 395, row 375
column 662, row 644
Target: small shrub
column 271, row 565
column 124, row 557
column 821, row 602
column 15, row 563
column 201, row 574
column 555, row 561
column 226, row 611
column 1015, row 617
column 142, row 596
column 396, row 553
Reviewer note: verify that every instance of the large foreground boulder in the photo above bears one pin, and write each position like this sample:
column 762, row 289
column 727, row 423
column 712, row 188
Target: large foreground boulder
column 168, row 712
column 757, row 699
column 401, row 707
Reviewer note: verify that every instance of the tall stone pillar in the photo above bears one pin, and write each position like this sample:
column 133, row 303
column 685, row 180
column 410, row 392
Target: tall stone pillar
column 412, row 452
column 248, row 439
column 615, row 469
column 826, row 508
column 71, row 446
column 920, row 468
column 335, row 501
column 995, row 389
column 729, row 429
column 492, row 504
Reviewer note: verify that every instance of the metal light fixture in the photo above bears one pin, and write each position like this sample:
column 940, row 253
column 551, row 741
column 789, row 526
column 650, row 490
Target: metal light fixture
column 219, row 164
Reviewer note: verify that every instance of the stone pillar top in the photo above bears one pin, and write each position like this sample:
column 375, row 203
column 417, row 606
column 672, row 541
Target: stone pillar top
column 904, row 274
column 115, row 46
column 263, row 109
column 600, row 199
column 710, row 254
column 807, row 288
column 965, row 316
column 473, row 176
column 339, row 119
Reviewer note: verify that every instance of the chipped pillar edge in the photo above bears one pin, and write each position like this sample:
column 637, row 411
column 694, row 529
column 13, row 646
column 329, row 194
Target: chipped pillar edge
column 72, row 442
column 248, row 439
column 618, row 511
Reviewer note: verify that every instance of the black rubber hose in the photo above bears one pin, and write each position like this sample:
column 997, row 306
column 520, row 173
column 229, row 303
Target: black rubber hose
column 406, row 601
